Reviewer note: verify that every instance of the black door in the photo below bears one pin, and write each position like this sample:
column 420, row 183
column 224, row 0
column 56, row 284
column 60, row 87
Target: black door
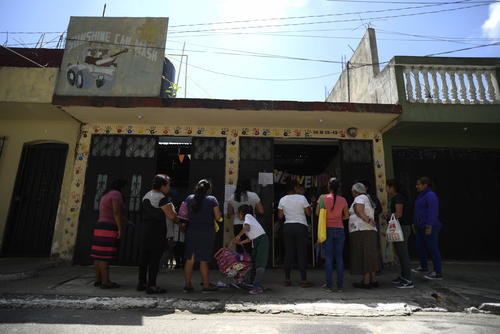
column 132, row 158
column 466, row 182
column 33, row 208
column 208, row 161
column 356, row 165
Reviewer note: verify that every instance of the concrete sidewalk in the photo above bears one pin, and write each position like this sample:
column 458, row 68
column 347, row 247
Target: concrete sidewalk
column 465, row 288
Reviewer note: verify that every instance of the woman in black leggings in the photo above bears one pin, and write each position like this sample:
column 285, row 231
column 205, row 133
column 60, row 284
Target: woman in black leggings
column 153, row 230
column 294, row 208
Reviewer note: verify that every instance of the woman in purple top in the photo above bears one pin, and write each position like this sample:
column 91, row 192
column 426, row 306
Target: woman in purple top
column 427, row 227
column 200, row 234
column 107, row 233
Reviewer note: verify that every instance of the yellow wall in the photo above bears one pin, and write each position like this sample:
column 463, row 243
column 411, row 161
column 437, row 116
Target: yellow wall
column 19, row 84
column 18, row 133
column 65, row 245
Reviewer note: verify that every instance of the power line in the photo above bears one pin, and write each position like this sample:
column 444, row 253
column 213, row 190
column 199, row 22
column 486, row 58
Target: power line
column 262, row 79
column 464, row 49
column 265, row 55
column 330, row 21
column 438, row 38
column 24, row 57
column 403, row 2
column 426, row 5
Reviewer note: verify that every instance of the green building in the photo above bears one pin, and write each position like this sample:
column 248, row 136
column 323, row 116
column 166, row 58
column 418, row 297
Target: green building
column 449, row 130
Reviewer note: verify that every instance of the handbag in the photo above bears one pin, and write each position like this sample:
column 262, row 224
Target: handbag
column 322, row 221
column 394, row 230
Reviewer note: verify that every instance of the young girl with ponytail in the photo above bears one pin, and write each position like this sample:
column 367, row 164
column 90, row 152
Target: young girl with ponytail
column 200, row 234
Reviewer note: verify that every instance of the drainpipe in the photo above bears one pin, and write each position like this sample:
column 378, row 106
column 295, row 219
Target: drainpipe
column 348, row 83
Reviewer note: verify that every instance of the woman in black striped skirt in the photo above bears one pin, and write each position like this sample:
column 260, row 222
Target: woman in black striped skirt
column 107, row 233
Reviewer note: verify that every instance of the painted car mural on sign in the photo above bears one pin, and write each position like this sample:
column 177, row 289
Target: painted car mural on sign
column 113, row 56
column 98, row 67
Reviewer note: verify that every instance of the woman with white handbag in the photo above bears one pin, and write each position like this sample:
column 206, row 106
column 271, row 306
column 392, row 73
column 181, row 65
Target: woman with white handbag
column 399, row 209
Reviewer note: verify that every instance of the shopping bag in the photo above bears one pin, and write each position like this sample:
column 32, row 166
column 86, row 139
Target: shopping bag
column 394, row 230
column 231, row 264
column 322, row 221
column 183, row 211
column 216, row 225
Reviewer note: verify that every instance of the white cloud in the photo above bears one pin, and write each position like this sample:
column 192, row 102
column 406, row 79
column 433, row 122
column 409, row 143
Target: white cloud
column 491, row 27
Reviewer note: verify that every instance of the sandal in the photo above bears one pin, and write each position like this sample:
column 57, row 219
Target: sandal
column 110, row 285
column 209, row 290
column 361, row 285
column 306, row 284
column 155, row 290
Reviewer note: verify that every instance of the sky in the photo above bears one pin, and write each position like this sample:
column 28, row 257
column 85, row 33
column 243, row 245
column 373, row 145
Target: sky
column 285, row 49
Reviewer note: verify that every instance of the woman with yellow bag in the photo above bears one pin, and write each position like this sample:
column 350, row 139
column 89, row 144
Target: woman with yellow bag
column 332, row 209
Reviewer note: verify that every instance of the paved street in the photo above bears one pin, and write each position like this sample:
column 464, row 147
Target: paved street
column 134, row 321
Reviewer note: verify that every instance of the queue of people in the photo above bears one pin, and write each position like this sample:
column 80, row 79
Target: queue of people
column 158, row 215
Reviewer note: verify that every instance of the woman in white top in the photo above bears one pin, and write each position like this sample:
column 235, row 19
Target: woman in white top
column 294, row 208
column 363, row 238
column 243, row 196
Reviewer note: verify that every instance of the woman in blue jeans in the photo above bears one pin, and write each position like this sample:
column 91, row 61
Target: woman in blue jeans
column 427, row 226
column 336, row 210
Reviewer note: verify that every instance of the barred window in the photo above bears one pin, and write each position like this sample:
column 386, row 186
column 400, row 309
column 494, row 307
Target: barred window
column 140, row 147
column 256, row 148
column 106, row 146
column 209, row 148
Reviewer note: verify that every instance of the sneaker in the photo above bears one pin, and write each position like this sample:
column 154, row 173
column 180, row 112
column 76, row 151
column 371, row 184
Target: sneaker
column 339, row 290
column 246, row 286
column 326, row 288
column 188, row 289
column 420, row 270
column 434, row 276
column 256, row 290
column 397, row 280
column 405, row 284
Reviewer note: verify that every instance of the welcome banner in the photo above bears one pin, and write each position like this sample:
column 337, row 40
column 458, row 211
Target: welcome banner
column 308, row 181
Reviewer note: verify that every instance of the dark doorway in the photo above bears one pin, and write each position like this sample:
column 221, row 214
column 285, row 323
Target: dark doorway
column 467, row 183
column 132, row 158
column 208, row 161
column 256, row 156
column 174, row 159
column 294, row 158
column 33, row 208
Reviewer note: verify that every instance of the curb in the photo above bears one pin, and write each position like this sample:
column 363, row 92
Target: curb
column 319, row 308
column 493, row 308
column 19, row 275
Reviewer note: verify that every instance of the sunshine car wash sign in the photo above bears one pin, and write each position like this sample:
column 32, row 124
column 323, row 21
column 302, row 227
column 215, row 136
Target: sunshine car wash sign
column 113, row 56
